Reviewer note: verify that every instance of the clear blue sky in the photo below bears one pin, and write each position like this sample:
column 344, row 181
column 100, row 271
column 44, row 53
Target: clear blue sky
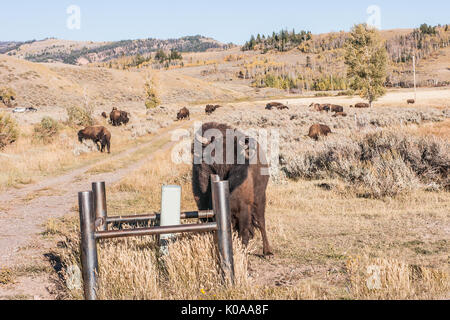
column 226, row 20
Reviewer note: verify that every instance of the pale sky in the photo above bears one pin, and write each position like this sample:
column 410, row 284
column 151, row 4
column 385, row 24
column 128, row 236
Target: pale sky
column 227, row 21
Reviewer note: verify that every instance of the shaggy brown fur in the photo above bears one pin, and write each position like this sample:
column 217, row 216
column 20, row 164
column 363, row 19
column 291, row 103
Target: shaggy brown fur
column 362, row 105
column 183, row 114
column 276, row 105
column 248, row 182
column 211, row 108
column 336, row 108
column 320, row 107
column 118, row 117
column 318, row 130
column 411, row 101
column 96, row 134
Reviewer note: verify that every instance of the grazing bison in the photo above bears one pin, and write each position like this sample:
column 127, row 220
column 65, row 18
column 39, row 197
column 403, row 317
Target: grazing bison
column 183, row 114
column 411, row 101
column 210, row 108
column 361, row 105
column 318, row 130
column 320, row 107
column 104, row 115
column 336, row 108
column 96, row 134
column 339, row 114
column 276, row 105
column 118, row 117
column 248, row 178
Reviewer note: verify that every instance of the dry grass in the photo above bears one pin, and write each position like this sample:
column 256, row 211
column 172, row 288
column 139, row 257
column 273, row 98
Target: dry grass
column 377, row 152
column 394, row 280
column 324, row 242
column 28, row 161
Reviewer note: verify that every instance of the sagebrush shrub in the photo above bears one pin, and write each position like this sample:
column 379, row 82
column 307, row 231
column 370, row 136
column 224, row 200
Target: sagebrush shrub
column 46, row 130
column 80, row 116
column 9, row 130
column 7, row 96
column 151, row 95
column 376, row 164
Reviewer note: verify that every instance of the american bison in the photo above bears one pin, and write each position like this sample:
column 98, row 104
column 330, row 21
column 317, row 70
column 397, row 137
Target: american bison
column 320, row 107
column 183, row 114
column 336, row 108
column 96, row 134
column 104, row 115
column 247, row 177
column 339, row 114
column 411, row 101
column 362, row 105
column 318, row 130
column 211, row 108
column 118, row 117
column 277, row 105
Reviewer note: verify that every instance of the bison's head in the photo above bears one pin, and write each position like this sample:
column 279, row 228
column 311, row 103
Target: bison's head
column 223, row 145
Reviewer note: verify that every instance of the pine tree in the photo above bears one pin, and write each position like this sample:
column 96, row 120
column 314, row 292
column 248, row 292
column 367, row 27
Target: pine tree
column 366, row 60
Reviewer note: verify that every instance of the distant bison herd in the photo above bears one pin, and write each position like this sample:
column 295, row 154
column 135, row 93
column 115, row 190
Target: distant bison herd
column 248, row 180
column 100, row 135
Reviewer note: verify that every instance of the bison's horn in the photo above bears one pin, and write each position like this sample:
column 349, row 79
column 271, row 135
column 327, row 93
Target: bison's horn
column 201, row 139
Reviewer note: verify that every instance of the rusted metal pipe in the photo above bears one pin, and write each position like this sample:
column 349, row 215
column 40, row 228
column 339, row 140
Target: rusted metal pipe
column 130, row 219
column 99, row 191
column 156, row 216
column 197, row 214
column 207, row 227
column 89, row 260
column 221, row 205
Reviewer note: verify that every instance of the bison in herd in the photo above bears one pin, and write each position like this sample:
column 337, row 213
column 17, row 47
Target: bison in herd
column 98, row 134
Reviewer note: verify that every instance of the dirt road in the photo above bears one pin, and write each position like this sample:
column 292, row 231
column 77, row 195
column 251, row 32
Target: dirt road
column 24, row 213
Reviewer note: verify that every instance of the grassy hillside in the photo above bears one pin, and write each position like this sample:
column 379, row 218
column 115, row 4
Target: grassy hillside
column 73, row 52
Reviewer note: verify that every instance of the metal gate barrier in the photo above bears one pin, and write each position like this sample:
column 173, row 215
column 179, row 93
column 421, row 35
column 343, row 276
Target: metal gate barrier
column 94, row 223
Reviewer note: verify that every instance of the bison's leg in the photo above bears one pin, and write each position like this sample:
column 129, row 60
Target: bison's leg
column 261, row 225
column 241, row 218
column 267, row 251
column 245, row 224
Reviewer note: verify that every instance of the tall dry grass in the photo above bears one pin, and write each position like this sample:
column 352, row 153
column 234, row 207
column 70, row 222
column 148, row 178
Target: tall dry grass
column 375, row 152
column 379, row 278
column 379, row 164
column 300, row 227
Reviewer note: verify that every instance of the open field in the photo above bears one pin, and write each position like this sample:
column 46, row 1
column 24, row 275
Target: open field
column 374, row 195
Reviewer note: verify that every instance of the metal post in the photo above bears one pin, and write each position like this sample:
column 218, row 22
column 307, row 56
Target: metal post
column 214, row 178
column 221, row 207
column 101, row 215
column 89, row 261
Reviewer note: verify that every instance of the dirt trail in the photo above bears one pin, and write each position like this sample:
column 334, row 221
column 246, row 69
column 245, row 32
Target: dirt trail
column 23, row 218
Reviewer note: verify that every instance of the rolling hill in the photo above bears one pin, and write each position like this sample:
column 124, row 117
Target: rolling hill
column 84, row 52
